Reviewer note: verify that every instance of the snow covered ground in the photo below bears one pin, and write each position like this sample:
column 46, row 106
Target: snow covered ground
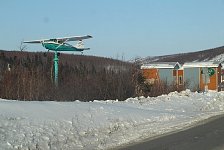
column 101, row 124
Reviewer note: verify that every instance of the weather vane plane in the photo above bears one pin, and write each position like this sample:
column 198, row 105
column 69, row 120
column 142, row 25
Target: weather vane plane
column 60, row 44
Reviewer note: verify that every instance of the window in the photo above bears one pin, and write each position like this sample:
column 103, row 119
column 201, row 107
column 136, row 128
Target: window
column 174, row 72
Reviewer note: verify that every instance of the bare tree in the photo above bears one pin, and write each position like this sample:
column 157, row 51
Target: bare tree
column 22, row 46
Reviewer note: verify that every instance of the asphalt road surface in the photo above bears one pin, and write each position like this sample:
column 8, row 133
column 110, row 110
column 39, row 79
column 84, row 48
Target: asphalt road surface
column 209, row 135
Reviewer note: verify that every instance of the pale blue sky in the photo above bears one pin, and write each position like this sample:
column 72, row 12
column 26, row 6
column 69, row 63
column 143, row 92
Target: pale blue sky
column 127, row 28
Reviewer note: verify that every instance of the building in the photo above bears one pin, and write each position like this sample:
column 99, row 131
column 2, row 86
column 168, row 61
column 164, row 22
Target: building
column 196, row 76
column 167, row 72
column 201, row 76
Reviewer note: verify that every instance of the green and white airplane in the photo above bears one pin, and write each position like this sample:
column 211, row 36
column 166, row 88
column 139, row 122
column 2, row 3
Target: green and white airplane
column 60, row 44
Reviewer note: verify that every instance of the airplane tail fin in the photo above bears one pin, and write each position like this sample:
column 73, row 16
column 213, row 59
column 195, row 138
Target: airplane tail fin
column 80, row 44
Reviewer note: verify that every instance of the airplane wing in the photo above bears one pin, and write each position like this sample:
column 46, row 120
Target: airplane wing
column 65, row 39
column 36, row 41
column 74, row 38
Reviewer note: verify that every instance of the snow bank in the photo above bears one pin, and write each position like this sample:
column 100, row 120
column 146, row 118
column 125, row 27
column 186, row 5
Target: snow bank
column 101, row 124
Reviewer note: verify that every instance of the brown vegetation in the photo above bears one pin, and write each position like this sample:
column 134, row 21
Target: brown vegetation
column 29, row 76
column 160, row 88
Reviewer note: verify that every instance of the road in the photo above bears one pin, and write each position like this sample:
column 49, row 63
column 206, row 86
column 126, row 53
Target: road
column 209, row 135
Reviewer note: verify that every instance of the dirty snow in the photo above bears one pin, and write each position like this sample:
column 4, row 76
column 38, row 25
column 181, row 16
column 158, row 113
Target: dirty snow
column 101, row 124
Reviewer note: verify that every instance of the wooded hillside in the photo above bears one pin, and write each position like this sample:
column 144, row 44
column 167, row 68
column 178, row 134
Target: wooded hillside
column 29, row 76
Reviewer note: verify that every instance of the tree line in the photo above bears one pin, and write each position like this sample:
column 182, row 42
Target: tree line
column 30, row 76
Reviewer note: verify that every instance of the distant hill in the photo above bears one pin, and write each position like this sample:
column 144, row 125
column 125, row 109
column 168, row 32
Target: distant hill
column 214, row 54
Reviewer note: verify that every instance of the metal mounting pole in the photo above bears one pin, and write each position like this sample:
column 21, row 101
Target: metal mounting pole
column 56, row 68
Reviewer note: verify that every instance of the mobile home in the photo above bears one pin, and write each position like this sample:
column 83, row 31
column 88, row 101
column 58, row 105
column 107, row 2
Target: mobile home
column 167, row 72
column 202, row 75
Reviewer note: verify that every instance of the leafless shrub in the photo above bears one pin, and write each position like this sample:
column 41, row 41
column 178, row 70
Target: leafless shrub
column 162, row 87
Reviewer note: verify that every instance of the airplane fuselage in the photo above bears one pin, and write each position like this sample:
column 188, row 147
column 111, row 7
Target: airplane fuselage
column 60, row 46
